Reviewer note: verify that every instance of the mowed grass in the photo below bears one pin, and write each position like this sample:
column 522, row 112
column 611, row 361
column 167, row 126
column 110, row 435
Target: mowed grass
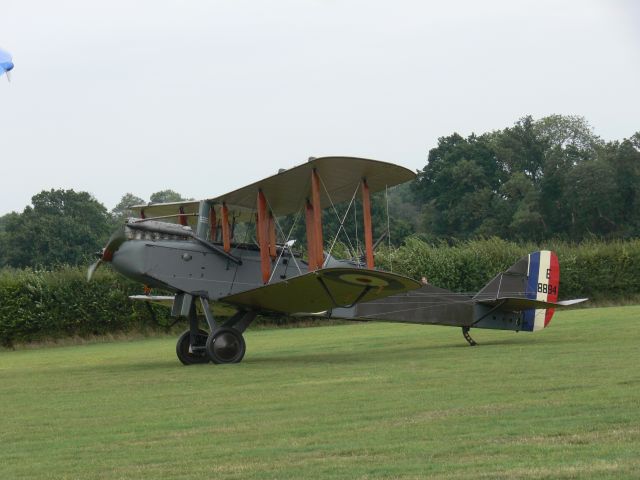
column 352, row 401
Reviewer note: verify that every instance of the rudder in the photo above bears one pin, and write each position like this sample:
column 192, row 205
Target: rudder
column 543, row 282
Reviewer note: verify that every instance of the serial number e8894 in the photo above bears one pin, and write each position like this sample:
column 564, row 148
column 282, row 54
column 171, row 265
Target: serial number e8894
column 547, row 288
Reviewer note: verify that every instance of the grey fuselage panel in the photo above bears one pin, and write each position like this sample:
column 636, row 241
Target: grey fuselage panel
column 433, row 306
column 187, row 266
column 427, row 305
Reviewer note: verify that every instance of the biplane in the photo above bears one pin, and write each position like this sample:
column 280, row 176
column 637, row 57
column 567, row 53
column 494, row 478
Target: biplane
column 193, row 249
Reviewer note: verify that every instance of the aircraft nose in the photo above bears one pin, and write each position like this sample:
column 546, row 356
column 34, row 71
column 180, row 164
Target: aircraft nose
column 129, row 259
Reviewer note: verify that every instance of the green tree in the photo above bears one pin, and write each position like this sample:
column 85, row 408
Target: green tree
column 3, row 221
column 121, row 210
column 568, row 141
column 520, row 149
column 515, row 182
column 167, row 196
column 521, row 208
column 592, row 199
column 61, row 227
column 624, row 159
column 458, row 186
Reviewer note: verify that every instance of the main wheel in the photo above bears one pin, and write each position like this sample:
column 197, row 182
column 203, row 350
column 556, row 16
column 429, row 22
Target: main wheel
column 226, row 345
column 186, row 354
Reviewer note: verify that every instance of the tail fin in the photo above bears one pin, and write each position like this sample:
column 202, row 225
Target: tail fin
column 531, row 286
column 543, row 282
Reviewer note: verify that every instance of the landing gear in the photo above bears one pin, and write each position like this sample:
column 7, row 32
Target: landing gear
column 192, row 353
column 226, row 345
column 467, row 337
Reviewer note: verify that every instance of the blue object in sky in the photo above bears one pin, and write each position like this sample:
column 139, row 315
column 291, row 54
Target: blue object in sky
column 6, row 63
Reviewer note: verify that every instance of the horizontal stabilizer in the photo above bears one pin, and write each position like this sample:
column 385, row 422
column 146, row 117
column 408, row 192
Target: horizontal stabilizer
column 568, row 303
column 520, row 303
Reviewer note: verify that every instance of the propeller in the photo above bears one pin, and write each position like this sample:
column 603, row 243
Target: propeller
column 92, row 268
column 116, row 239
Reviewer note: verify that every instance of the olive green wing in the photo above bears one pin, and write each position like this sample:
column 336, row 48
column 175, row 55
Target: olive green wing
column 322, row 290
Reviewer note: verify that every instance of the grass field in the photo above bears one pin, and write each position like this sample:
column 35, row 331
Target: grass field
column 350, row 401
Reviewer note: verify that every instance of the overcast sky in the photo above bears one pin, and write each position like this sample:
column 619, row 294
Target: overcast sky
column 205, row 96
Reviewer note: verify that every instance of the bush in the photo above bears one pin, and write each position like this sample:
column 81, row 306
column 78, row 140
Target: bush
column 39, row 305
column 601, row 271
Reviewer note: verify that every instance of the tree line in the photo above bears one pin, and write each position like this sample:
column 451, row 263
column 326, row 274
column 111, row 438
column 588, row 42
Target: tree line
column 64, row 227
column 538, row 180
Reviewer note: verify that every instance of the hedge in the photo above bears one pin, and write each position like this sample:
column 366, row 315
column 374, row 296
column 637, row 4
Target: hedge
column 43, row 305
column 601, row 271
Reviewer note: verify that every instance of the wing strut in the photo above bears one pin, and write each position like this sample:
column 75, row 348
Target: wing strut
column 364, row 291
column 213, row 224
column 368, row 232
column 317, row 219
column 182, row 217
column 263, row 237
column 311, row 243
column 273, row 250
column 226, row 234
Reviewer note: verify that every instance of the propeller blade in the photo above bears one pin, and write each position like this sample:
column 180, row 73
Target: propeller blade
column 116, row 239
column 92, row 269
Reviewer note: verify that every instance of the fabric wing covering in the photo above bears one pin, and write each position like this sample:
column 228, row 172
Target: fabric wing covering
column 286, row 191
column 323, row 290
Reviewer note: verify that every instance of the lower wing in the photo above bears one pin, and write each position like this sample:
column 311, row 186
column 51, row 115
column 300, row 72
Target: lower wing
column 322, row 290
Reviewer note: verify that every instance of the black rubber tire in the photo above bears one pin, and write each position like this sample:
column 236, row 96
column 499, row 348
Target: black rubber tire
column 182, row 348
column 226, row 345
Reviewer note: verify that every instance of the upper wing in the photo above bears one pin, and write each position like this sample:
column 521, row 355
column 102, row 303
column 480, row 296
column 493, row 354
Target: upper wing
column 171, row 210
column 322, row 290
column 340, row 176
column 287, row 190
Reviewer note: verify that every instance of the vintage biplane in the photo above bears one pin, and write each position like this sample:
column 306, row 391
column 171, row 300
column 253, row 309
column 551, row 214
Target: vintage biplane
column 193, row 249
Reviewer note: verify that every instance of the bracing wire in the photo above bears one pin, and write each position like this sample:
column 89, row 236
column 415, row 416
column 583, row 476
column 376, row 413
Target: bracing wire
column 341, row 226
column 287, row 237
column 335, row 211
column 355, row 222
column 386, row 195
column 295, row 222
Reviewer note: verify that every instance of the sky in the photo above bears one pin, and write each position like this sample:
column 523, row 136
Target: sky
column 205, row 96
